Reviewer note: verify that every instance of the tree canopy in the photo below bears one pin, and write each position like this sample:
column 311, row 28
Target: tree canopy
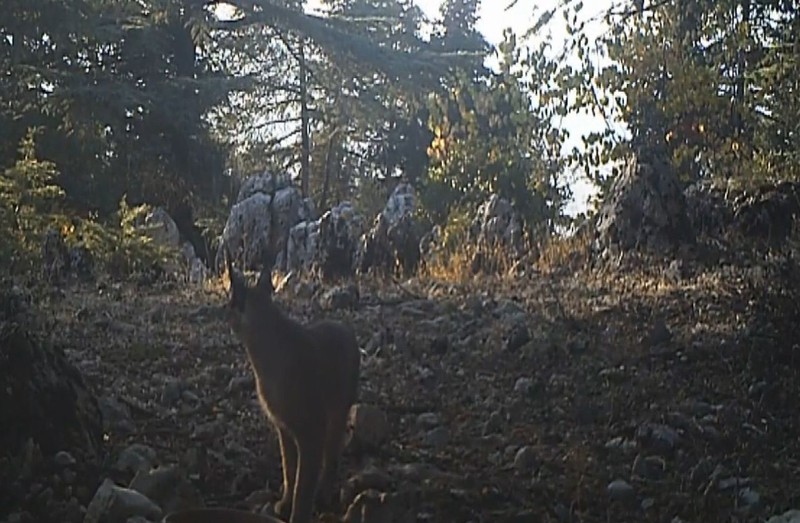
column 172, row 101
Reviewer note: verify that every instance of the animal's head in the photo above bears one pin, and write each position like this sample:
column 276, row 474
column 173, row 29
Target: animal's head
column 248, row 303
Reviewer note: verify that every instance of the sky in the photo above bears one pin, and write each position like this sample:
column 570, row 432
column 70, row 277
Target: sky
column 494, row 19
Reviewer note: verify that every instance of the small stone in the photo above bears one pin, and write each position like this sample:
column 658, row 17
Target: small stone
column 208, row 430
column 425, row 373
column 437, row 437
column 369, row 478
column 440, row 344
column 257, row 499
column 168, row 488
column 620, row 443
column 749, row 498
column 523, row 385
column 659, row 438
column 369, row 424
column 341, row 297
column 172, row 391
column 562, row 512
column 74, row 512
column 508, row 310
column 525, row 458
column 114, row 503
column 135, row 458
column 493, row 423
column 710, row 433
column 116, row 415
column 428, row 420
column 577, row 347
column 20, row 517
column 790, row 516
column 756, row 390
column 731, row 483
column 660, row 333
column 190, row 396
column 242, row 383
column 651, row 468
column 620, row 490
column 64, row 459
column 519, row 336
column 69, row 476
column 375, row 343
column 648, row 503
column 700, row 408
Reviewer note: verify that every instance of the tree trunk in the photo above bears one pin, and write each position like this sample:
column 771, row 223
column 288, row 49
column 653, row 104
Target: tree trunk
column 305, row 158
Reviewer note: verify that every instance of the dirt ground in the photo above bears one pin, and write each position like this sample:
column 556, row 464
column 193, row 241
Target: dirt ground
column 524, row 399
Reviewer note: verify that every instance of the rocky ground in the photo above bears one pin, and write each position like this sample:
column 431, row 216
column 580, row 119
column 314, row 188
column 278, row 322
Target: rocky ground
column 665, row 394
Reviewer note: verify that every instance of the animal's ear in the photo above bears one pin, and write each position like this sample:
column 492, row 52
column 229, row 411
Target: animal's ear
column 270, row 252
column 238, row 284
column 265, row 277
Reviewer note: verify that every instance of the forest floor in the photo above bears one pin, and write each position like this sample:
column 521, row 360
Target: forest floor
column 636, row 395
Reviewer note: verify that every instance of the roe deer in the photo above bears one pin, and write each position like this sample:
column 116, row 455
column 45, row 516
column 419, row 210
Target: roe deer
column 307, row 379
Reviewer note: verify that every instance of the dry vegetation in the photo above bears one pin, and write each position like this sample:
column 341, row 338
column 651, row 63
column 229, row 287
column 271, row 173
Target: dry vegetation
column 709, row 355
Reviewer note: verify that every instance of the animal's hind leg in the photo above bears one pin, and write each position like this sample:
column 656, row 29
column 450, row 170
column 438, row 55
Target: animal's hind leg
column 309, row 465
column 283, row 508
column 334, row 442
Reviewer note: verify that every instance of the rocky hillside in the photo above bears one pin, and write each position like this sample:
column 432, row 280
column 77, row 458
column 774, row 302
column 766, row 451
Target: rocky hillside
column 638, row 394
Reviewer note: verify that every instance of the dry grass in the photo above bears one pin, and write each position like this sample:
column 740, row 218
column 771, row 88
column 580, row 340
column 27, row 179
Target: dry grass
column 569, row 253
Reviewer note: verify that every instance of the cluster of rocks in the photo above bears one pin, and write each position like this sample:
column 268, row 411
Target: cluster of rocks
column 393, row 240
column 648, row 210
column 159, row 226
column 337, row 243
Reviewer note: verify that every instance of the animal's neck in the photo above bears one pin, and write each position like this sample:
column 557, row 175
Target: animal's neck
column 269, row 345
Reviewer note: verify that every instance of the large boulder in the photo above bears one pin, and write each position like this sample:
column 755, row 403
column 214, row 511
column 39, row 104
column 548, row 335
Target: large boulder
column 709, row 209
column 159, row 226
column 645, row 210
column 46, row 408
column 327, row 244
column 302, row 250
column 247, row 231
column 339, row 231
column 767, row 213
column 393, row 241
column 496, row 232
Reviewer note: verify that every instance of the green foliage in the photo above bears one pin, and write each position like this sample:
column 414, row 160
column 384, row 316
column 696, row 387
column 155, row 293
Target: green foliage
column 30, row 203
column 120, row 93
column 489, row 137
column 712, row 85
column 123, row 248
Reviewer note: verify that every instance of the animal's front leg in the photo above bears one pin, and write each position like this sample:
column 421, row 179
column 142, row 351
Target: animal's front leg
column 309, row 466
column 283, row 508
column 334, row 442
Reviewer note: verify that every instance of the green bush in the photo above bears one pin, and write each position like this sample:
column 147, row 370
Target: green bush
column 32, row 203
